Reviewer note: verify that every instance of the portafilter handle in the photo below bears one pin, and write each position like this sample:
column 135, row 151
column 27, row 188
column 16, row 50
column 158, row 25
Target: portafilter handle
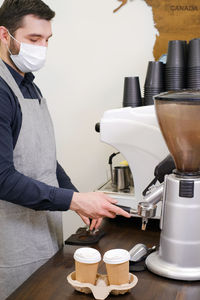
column 131, row 211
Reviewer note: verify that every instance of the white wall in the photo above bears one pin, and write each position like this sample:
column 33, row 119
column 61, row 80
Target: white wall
column 91, row 51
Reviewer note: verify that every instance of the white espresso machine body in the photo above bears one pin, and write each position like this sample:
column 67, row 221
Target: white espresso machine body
column 135, row 133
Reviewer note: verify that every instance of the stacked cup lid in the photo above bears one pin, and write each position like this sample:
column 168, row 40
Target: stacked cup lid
column 193, row 66
column 154, row 82
column 116, row 256
column 87, row 255
column 132, row 93
column 175, row 71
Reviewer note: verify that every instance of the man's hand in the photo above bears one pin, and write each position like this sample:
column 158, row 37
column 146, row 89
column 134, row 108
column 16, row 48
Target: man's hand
column 96, row 205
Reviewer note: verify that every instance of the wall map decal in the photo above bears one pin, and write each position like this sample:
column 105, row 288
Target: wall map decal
column 174, row 20
column 122, row 4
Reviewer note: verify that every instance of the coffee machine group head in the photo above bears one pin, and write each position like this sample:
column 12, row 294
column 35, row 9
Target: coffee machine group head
column 178, row 257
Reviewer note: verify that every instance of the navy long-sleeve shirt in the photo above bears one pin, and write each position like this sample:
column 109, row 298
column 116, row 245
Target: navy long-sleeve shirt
column 14, row 186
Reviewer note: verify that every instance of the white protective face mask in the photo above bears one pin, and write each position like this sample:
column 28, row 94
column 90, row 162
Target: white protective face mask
column 31, row 58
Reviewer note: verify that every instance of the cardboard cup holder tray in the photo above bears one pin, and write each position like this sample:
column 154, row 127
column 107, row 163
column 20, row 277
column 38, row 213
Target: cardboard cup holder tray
column 101, row 289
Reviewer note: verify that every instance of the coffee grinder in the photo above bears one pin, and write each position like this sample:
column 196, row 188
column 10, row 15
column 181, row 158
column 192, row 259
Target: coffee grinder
column 178, row 257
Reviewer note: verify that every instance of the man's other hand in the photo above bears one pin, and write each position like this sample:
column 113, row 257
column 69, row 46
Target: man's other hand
column 94, row 224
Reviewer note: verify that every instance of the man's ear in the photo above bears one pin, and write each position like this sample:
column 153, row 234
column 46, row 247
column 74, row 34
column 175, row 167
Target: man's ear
column 4, row 35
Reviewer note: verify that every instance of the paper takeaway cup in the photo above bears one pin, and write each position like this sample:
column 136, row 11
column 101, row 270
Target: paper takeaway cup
column 117, row 266
column 86, row 264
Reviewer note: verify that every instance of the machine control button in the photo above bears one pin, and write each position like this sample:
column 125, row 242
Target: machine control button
column 186, row 189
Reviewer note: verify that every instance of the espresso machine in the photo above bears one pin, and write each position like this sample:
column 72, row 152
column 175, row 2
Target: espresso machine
column 135, row 133
column 178, row 116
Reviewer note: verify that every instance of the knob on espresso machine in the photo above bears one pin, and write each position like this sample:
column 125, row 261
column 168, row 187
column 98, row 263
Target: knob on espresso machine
column 97, row 127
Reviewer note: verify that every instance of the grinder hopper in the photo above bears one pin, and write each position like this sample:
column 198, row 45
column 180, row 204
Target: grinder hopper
column 179, row 119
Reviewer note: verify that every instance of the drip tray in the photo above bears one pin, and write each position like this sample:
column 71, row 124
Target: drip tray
column 108, row 188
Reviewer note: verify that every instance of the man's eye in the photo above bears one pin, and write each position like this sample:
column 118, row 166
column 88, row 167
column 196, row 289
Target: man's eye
column 33, row 41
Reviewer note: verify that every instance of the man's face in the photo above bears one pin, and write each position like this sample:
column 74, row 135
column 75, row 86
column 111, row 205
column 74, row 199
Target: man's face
column 32, row 31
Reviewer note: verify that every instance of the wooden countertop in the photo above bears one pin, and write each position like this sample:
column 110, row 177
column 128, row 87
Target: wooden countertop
column 49, row 282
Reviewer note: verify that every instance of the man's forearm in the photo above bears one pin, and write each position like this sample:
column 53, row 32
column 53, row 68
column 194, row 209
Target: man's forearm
column 22, row 190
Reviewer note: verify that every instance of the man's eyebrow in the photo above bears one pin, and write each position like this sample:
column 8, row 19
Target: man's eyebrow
column 38, row 35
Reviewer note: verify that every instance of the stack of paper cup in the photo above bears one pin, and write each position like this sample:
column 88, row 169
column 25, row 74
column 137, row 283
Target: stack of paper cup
column 117, row 266
column 86, row 264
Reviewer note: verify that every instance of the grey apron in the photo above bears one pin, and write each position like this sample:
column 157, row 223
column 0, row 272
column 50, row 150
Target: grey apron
column 29, row 238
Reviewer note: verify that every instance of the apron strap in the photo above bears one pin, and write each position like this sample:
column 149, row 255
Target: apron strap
column 7, row 76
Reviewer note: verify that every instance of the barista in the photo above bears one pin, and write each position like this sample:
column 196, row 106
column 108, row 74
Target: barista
column 33, row 186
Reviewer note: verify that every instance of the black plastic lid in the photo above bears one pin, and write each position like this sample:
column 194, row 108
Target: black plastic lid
column 185, row 95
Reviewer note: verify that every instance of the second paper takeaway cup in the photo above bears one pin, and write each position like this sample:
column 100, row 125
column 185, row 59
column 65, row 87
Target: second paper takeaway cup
column 117, row 266
column 86, row 264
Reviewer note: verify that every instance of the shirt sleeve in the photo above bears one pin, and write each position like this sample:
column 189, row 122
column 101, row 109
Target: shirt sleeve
column 16, row 187
column 63, row 179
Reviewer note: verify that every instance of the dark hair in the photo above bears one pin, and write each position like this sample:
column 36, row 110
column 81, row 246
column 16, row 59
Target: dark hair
column 12, row 12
